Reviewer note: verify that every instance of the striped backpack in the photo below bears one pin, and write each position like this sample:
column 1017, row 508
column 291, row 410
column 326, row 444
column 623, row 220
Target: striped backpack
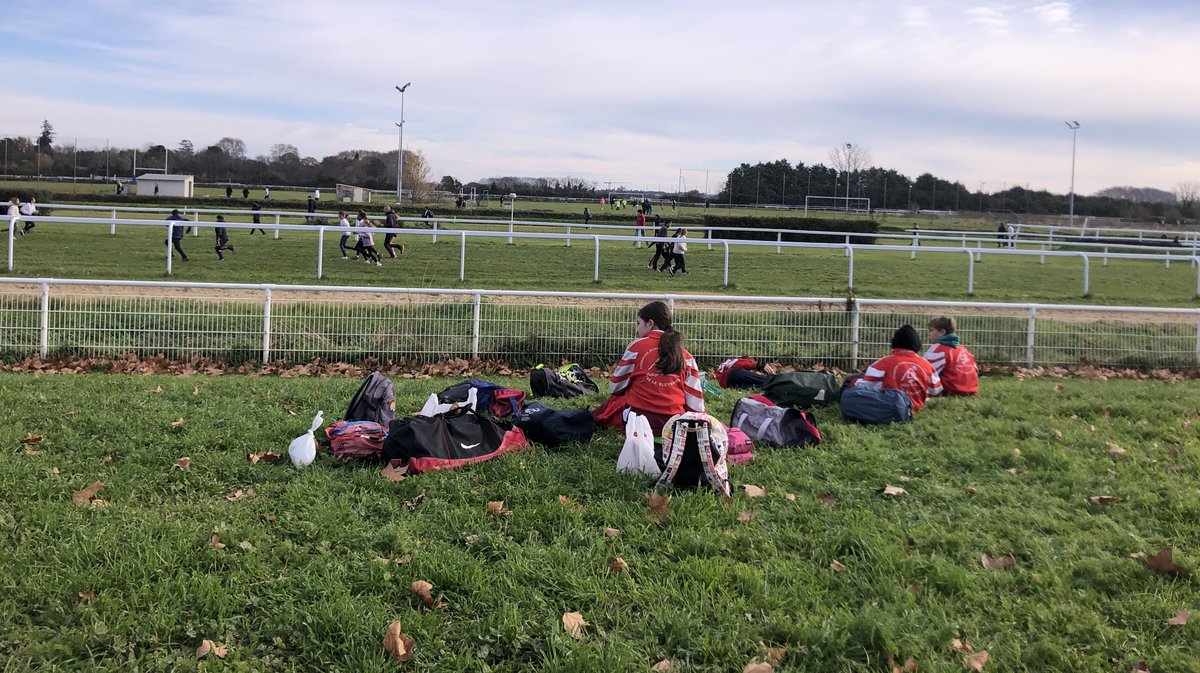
column 693, row 453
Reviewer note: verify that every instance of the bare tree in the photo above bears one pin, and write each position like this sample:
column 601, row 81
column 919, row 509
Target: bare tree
column 234, row 148
column 850, row 158
column 1186, row 193
column 416, row 170
column 280, row 149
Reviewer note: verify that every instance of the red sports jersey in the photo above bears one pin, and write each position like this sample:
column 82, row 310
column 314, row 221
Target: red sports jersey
column 906, row 371
column 731, row 364
column 955, row 366
column 644, row 387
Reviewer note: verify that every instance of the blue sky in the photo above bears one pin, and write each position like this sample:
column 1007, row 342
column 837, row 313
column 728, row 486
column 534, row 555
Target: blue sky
column 631, row 92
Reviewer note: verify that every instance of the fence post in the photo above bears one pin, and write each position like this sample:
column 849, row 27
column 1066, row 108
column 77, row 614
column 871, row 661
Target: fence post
column 510, row 231
column 475, row 327
column 916, row 243
column 320, row 252
column 276, row 226
column 195, row 223
column 850, row 280
column 1106, row 255
column 596, row 273
column 855, row 327
column 708, row 235
column 169, row 248
column 12, row 226
column 978, row 251
column 44, row 322
column 725, row 280
column 266, row 344
column 970, row 273
column 112, row 228
column 462, row 255
column 435, row 230
column 778, row 240
column 1168, row 259
column 568, row 235
column 1086, row 270
column 1029, row 334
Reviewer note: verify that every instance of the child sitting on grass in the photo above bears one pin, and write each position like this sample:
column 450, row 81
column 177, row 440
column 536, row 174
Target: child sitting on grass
column 952, row 362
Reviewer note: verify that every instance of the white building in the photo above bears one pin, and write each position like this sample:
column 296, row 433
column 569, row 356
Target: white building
column 168, row 185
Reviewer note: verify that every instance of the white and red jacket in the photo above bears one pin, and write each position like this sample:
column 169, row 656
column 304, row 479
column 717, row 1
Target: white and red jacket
column 905, row 371
column 644, row 387
column 731, row 364
column 955, row 366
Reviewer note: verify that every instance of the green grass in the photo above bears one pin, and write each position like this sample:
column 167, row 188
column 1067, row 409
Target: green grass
column 296, row 587
column 88, row 251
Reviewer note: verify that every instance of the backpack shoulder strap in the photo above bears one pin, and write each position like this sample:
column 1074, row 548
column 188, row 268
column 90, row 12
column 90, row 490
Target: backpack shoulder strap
column 717, row 474
column 675, row 456
column 362, row 388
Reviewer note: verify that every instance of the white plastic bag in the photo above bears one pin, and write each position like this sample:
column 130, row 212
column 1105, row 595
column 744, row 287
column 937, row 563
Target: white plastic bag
column 303, row 449
column 433, row 407
column 638, row 453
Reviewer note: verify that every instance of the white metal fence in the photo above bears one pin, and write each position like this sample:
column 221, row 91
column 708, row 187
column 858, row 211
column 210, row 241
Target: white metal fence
column 242, row 322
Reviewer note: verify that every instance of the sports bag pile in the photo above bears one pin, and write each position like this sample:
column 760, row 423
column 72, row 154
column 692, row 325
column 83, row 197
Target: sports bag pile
column 566, row 381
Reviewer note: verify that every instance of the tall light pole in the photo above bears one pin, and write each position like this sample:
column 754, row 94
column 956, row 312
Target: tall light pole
column 910, row 203
column 849, row 172
column 400, row 154
column 1074, row 126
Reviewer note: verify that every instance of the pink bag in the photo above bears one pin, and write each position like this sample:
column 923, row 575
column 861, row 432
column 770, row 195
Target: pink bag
column 741, row 449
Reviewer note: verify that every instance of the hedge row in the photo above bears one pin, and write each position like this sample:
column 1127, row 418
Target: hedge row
column 735, row 227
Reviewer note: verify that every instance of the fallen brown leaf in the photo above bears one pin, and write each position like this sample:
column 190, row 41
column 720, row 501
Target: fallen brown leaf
column 619, row 565
column 660, row 506
column 909, row 666
column 1017, row 470
column 395, row 471
column 396, row 643
column 746, row 516
column 573, row 624
column 960, row 646
column 1140, row 667
column 1104, row 411
column 977, row 661
column 240, row 494
column 183, row 463
column 424, row 591
column 1104, row 500
column 827, row 500
column 195, row 391
column 997, row 562
column 495, row 507
column 836, row 566
column 567, row 501
column 208, row 647
column 1114, row 452
column 1058, row 387
column 30, row 451
column 158, row 389
column 215, row 542
column 791, row 497
column 1057, row 433
column 178, row 423
column 1137, row 554
column 970, row 490
column 758, row 667
column 1180, row 618
column 55, row 470
column 1163, row 563
column 611, row 532
column 87, row 495
column 31, row 438
column 664, row 666
column 264, row 457
column 86, row 596
column 893, row 490
column 754, row 491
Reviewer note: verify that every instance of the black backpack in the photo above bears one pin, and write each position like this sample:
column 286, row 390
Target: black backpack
column 566, row 381
column 552, row 427
column 693, row 454
column 374, row 401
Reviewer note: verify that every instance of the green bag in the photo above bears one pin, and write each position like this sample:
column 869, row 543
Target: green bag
column 802, row 389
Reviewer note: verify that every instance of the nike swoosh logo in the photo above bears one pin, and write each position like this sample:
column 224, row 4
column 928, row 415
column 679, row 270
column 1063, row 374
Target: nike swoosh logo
column 471, row 446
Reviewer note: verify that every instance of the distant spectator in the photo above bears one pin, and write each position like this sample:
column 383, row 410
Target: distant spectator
column 156, row 189
column 229, row 191
column 14, row 207
column 678, row 252
column 312, row 208
column 266, row 193
column 317, row 194
column 662, row 249
column 391, row 222
column 1001, row 235
column 587, row 215
column 222, row 236
column 177, row 232
column 255, row 218
column 245, row 192
column 640, row 229
column 29, row 209
column 344, row 222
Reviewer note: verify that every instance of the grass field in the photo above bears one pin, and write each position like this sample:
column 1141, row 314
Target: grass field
column 841, row 577
column 88, row 251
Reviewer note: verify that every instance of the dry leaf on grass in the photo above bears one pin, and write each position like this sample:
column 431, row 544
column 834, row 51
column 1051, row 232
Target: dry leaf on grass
column 836, row 566
column 1137, row 554
column 791, row 497
column 30, row 451
column 496, row 508
column 1057, row 433
column 1105, row 411
column 1017, row 471
column 424, row 591
column 746, row 516
column 208, row 647
column 195, row 391
column 619, row 565
column 1180, row 618
column 660, row 506
column 395, row 471
column 567, row 501
column 758, row 667
column 263, row 457
column 31, row 438
column 960, row 646
column 86, row 596
column 1114, row 452
column 827, row 500
column 1163, row 563
column 893, row 491
column 178, row 423
column 1103, row 500
column 396, row 643
column 664, row 666
column 240, row 494
column 573, row 623
column 754, row 491
column 87, row 495
column 157, row 389
column 1140, row 667
column 214, row 541
column 183, row 463
column 909, row 666
column 977, row 661
column 997, row 562
column 970, row 490
column 611, row 533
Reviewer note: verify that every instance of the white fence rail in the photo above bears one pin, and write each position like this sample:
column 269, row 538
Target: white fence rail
column 244, row 322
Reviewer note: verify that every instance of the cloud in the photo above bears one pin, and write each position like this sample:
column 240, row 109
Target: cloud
column 991, row 19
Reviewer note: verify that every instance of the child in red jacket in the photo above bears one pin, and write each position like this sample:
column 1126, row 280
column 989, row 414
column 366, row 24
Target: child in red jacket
column 904, row 370
column 952, row 362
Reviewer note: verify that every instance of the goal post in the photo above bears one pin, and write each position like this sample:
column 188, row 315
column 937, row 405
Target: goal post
column 847, row 204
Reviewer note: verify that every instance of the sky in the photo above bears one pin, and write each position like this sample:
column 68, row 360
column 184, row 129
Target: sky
column 647, row 94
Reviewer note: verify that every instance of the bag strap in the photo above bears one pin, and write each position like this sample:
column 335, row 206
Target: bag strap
column 362, row 388
column 717, row 475
column 675, row 457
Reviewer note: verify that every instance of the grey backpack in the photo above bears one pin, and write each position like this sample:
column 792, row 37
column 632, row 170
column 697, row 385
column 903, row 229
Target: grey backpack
column 374, row 401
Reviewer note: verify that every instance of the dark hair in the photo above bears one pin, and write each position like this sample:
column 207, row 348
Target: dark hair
column 906, row 337
column 670, row 345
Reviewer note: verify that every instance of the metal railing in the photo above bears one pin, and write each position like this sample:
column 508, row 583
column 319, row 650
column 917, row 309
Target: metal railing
column 296, row 323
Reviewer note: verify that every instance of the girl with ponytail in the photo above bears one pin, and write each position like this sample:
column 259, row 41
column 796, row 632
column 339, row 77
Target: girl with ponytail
column 656, row 376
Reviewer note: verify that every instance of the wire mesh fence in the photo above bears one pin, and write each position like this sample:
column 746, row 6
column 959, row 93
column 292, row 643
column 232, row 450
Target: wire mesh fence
column 245, row 323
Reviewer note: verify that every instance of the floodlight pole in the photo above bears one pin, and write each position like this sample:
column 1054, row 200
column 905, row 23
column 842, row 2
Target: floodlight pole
column 400, row 154
column 849, row 168
column 1074, row 126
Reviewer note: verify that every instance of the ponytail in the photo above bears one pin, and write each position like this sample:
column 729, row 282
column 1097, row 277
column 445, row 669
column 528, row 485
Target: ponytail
column 670, row 345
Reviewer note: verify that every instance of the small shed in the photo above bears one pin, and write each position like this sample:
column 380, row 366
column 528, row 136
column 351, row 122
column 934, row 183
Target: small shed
column 352, row 194
column 168, row 185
